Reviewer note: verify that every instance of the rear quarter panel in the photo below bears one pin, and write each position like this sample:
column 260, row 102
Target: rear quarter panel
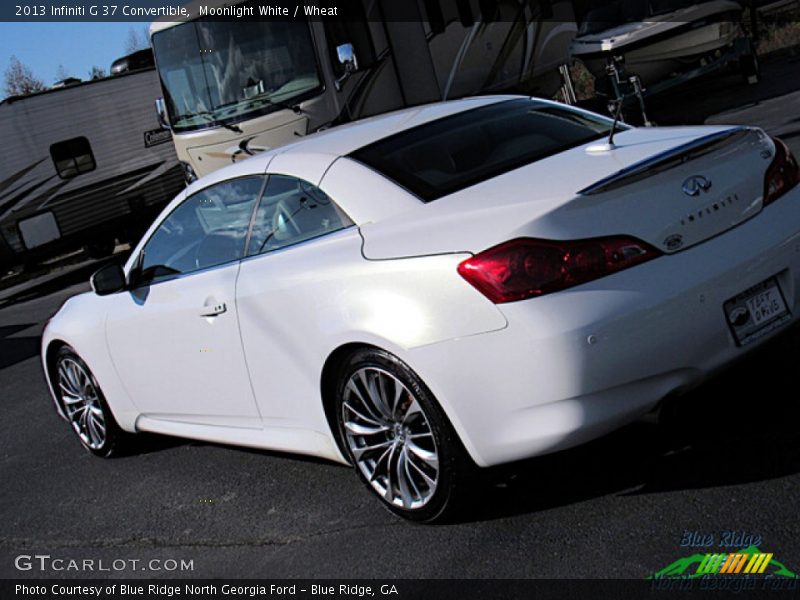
column 300, row 304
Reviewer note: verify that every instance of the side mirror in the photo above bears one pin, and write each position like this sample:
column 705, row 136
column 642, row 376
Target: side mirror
column 347, row 58
column 161, row 113
column 108, row 280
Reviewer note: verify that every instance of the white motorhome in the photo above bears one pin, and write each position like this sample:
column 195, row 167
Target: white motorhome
column 85, row 164
column 234, row 87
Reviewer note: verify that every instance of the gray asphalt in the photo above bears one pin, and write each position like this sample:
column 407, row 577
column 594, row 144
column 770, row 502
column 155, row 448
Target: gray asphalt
column 728, row 459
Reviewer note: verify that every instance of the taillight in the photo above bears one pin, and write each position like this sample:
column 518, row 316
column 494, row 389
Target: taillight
column 526, row 268
column 782, row 175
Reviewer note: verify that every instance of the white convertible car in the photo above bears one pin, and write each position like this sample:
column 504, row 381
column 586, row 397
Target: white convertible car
column 465, row 283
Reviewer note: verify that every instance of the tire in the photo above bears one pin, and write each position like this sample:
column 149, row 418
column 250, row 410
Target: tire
column 398, row 438
column 85, row 407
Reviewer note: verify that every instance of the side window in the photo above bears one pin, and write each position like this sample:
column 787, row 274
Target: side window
column 72, row 157
column 208, row 229
column 292, row 211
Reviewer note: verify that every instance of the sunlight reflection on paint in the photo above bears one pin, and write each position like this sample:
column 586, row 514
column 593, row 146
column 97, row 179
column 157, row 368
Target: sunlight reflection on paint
column 395, row 317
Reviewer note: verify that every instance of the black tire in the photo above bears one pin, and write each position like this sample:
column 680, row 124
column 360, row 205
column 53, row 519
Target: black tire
column 415, row 499
column 67, row 375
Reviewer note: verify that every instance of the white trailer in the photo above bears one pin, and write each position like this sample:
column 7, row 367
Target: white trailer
column 85, row 164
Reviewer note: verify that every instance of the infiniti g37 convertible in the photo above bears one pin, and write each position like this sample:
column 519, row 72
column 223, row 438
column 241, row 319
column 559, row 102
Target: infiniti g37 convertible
column 460, row 284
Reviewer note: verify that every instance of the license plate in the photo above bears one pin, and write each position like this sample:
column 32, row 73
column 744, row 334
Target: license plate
column 757, row 311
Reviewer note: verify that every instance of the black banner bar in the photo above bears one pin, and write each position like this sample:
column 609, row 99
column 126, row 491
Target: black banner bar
column 467, row 12
column 401, row 589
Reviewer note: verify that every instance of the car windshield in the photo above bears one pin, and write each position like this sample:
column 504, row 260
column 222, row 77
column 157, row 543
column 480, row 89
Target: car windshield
column 450, row 154
column 219, row 71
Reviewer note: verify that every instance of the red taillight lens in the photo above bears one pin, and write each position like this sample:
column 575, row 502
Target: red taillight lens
column 782, row 175
column 525, row 268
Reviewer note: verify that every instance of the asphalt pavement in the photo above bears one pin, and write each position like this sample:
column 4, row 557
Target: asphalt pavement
column 727, row 460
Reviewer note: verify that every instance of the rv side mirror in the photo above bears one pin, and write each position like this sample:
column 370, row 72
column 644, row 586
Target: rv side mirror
column 108, row 280
column 161, row 112
column 347, row 58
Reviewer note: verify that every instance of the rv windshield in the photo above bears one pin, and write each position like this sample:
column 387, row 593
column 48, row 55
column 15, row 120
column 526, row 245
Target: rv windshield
column 223, row 72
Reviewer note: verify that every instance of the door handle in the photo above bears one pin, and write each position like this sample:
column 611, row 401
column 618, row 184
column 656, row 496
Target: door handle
column 214, row 310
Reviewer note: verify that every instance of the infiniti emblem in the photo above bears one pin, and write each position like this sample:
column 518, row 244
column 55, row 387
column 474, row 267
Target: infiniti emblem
column 695, row 184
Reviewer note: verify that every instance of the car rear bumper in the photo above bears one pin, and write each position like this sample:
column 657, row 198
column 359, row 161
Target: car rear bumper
column 575, row 365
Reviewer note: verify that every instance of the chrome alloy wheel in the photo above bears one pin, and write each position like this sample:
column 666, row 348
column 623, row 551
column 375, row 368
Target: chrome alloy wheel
column 81, row 403
column 390, row 438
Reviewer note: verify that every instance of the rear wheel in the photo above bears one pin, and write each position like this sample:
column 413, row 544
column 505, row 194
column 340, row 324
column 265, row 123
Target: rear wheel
column 84, row 405
column 398, row 438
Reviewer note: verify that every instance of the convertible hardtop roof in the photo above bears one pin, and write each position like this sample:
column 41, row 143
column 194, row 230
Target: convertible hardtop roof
column 460, row 150
column 345, row 139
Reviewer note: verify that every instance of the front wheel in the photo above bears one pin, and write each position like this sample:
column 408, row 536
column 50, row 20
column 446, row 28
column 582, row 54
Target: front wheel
column 85, row 407
column 396, row 435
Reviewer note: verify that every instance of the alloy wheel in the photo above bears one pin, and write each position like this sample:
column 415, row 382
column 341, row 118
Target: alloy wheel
column 390, row 438
column 81, row 402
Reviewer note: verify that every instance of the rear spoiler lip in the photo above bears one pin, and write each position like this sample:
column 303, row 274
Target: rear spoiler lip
column 617, row 178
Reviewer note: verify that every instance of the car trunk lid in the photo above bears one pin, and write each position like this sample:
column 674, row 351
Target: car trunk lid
column 671, row 187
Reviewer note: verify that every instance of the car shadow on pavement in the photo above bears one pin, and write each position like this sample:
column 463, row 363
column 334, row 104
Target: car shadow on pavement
column 739, row 427
column 150, row 443
column 51, row 284
column 16, row 349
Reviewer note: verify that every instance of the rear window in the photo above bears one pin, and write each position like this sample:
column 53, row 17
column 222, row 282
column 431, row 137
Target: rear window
column 456, row 152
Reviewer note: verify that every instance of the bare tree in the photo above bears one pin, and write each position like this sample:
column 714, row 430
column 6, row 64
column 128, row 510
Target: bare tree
column 61, row 73
column 137, row 40
column 97, row 72
column 20, row 80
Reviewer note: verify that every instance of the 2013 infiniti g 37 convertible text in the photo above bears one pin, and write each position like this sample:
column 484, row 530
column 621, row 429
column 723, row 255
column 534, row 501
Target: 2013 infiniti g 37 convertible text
column 465, row 283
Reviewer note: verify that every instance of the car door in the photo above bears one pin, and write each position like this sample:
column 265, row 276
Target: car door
column 298, row 233
column 174, row 338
